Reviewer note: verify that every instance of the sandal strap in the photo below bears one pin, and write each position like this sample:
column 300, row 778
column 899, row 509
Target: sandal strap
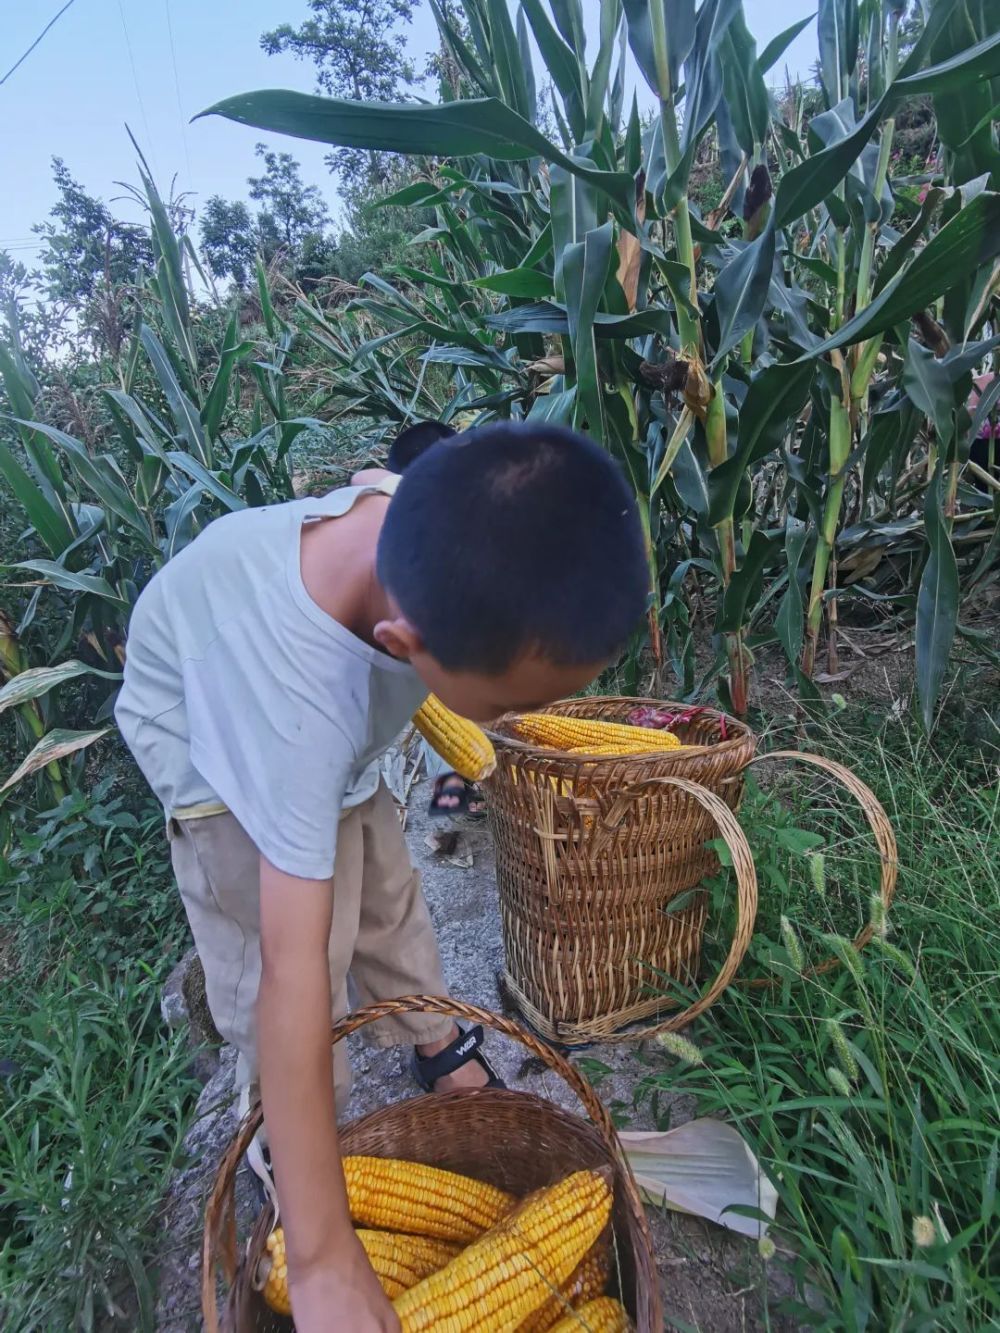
column 457, row 1053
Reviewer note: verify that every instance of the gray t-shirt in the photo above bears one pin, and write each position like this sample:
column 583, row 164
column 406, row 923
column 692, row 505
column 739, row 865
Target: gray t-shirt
column 240, row 690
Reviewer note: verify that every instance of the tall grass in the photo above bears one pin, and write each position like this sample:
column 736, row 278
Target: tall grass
column 871, row 1094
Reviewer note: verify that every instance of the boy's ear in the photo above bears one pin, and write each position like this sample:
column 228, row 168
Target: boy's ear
column 398, row 637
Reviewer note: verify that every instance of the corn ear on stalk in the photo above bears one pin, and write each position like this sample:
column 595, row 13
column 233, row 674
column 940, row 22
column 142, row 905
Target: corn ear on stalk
column 399, row 1261
column 604, row 1315
column 402, row 1261
column 463, row 745
column 503, row 1277
column 588, row 1281
column 581, row 733
column 421, row 1200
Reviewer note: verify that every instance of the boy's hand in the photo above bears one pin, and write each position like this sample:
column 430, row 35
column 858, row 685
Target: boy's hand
column 346, row 1295
column 332, row 1284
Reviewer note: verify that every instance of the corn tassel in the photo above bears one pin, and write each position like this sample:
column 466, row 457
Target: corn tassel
column 421, row 1200
column 506, row 1275
column 583, row 734
column 588, row 1282
column 400, row 1262
column 460, row 743
column 604, row 1315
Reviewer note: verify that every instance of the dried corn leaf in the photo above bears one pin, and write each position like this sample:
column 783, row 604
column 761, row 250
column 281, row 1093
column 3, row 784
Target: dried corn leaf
column 704, row 1168
column 55, row 745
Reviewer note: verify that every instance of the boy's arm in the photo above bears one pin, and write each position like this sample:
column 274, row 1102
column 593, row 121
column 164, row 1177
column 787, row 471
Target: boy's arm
column 330, row 1279
column 371, row 476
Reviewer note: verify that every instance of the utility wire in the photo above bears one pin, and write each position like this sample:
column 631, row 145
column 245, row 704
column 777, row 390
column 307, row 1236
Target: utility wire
column 177, row 91
column 135, row 80
column 51, row 23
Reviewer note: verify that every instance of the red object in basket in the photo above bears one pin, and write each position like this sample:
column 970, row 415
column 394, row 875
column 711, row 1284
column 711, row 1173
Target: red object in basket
column 665, row 719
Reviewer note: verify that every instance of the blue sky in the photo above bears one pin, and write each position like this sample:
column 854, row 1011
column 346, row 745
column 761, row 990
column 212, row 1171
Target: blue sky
column 156, row 63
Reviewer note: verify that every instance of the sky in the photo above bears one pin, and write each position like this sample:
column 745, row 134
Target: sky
column 153, row 65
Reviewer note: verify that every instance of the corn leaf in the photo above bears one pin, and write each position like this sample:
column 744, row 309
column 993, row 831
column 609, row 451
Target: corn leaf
column 704, row 1168
column 70, row 581
column 455, row 129
column 187, row 422
column 38, row 681
column 53, row 746
column 937, row 605
column 48, row 520
column 586, row 268
column 741, row 290
column 777, row 46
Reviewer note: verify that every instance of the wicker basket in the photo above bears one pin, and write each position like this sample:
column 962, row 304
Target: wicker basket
column 590, row 855
column 514, row 1140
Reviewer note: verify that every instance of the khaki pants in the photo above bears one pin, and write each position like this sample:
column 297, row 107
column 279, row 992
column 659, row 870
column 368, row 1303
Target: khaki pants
column 381, row 933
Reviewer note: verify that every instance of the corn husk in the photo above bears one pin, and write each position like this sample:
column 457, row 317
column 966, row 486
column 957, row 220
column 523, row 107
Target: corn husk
column 703, row 1168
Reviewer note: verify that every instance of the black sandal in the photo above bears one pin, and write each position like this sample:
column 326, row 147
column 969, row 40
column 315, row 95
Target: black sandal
column 427, row 1069
column 470, row 802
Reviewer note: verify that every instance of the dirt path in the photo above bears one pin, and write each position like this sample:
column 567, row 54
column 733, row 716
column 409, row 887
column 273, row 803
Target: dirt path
column 713, row 1281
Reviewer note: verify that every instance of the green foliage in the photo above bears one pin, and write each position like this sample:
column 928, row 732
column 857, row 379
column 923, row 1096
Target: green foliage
column 583, row 288
column 96, row 1094
column 869, row 1094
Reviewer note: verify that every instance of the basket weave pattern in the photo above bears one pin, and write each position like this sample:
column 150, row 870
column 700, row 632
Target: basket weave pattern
column 590, row 855
column 514, row 1140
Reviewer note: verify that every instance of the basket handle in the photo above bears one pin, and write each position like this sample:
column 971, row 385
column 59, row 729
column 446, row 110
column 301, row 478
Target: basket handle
column 219, row 1244
column 746, row 897
column 885, row 841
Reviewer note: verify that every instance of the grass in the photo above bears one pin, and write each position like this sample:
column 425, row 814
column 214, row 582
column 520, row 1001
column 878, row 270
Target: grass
column 871, row 1094
column 96, row 1093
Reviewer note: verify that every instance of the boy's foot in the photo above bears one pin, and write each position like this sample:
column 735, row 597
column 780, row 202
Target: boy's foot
column 449, row 796
column 455, row 1064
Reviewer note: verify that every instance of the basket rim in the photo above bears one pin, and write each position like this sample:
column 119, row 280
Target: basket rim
column 745, row 734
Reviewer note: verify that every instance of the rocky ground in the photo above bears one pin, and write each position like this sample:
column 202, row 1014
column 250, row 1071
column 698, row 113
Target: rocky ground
column 713, row 1281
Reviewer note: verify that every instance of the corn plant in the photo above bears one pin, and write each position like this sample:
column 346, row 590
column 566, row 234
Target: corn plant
column 570, row 277
column 101, row 521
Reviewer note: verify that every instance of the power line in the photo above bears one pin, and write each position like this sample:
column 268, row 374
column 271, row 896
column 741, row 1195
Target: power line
column 135, row 80
column 51, row 23
column 177, row 91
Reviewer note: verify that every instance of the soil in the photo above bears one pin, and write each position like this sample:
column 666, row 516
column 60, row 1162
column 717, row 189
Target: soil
column 714, row 1281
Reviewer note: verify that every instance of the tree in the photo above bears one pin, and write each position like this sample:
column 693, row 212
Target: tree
column 358, row 53
column 228, row 239
column 291, row 209
column 85, row 246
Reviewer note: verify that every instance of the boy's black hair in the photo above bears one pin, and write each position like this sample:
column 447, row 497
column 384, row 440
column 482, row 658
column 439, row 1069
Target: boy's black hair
column 513, row 540
column 415, row 440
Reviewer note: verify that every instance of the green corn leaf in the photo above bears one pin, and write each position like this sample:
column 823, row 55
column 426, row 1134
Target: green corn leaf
column 586, row 268
column 526, row 282
column 679, row 20
column 971, row 238
column 186, row 418
column 741, row 291
column 54, row 528
column 789, row 623
column 455, row 129
column 70, row 581
column 745, row 585
column 215, row 403
column 777, row 46
column 929, row 387
column 208, row 480
column 937, row 606
column 837, row 29
column 102, row 476
column 507, row 60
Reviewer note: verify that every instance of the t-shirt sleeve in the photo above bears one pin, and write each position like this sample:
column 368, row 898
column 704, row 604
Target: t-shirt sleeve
column 280, row 764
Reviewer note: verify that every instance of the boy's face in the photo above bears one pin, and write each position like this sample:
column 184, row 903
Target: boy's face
column 529, row 683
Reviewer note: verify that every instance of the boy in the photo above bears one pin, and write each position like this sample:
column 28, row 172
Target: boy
column 269, row 664
column 450, row 794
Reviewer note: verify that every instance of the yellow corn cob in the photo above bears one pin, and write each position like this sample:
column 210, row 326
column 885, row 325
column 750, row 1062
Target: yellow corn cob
column 421, row 1200
column 403, row 1261
column 400, row 1262
column 463, row 745
column 273, row 1272
column 503, row 1277
column 618, row 748
column 588, row 1281
column 601, row 1316
column 579, row 733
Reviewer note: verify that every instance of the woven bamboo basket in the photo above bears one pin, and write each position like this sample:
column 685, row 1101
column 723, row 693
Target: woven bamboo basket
column 514, row 1140
column 591, row 854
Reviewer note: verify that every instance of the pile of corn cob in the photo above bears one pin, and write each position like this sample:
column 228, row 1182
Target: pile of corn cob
column 460, row 1256
column 468, row 751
